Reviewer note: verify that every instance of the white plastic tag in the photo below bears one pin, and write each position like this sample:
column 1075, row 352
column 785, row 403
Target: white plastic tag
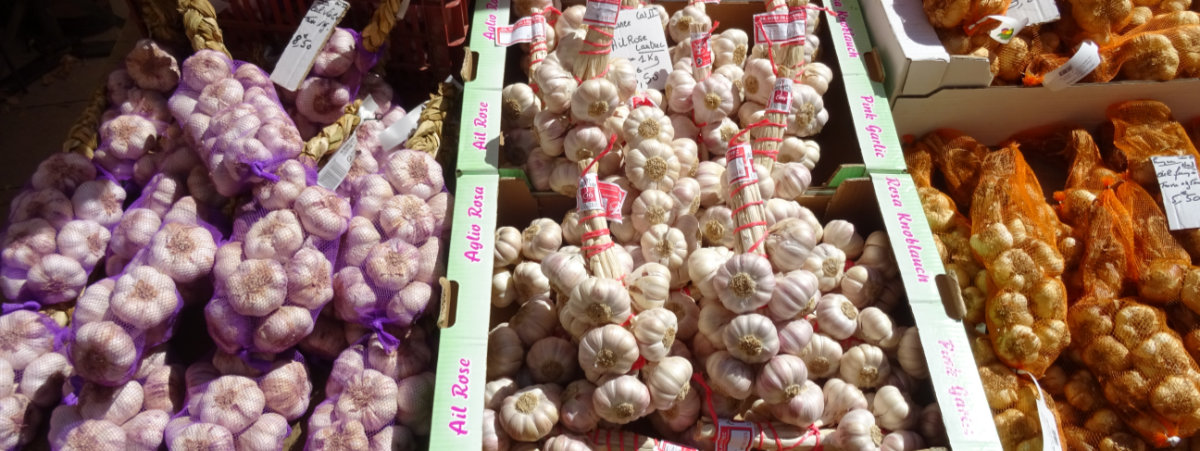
column 739, row 162
column 1050, row 438
column 394, row 136
column 526, row 30
column 780, row 28
column 1033, row 12
column 701, row 51
column 339, row 164
column 1180, row 184
column 1082, row 63
column 639, row 38
column 1008, row 28
column 733, row 435
column 588, row 197
column 602, row 12
column 315, row 28
column 781, row 98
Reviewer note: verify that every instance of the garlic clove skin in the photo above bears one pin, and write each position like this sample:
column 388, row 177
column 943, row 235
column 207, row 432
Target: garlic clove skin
column 232, row 402
column 266, row 434
column 144, row 432
column 257, row 288
column 278, row 236
column 43, row 378
column 84, row 241
column 93, row 434
column 283, row 329
column 56, row 279
column 287, row 390
column 114, row 404
column 322, row 212
column 100, row 201
column 309, row 282
column 199, row 436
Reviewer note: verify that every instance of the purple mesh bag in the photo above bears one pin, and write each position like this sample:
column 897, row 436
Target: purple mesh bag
column 230, row 403
column 32, row 372
column 231, row 112
column 336, row 76
column 392, row 254
column 273, row 275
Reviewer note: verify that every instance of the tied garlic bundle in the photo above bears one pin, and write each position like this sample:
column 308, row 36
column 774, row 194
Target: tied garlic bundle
column 32, row 373
column 134, row 414
column 376, row 398
column 275, row 272
column 137, row 133
column 231, row 114
column 231, row 404
column 392, row 255
column 335, row 80
column 116, row 319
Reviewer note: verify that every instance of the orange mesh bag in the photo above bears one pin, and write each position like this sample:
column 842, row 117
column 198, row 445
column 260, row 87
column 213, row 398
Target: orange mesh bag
column 1160, row 261
column 1026, row 300
column 957, row 158
column 1089, row 421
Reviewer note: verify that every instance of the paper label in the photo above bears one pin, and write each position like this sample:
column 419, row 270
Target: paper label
column 339, row 164
column 1050, row 438
column 780, row 28
column 639, row 38
column 733, row 435
column 642, row 99
column 1180, row 184
column 393, row 137
column 1008, row 28
column 1033, row 12
column 603, row 12
column 588, row 197
column 1083, row 63
column 526, row 30
column 701, row 51
column 315, row 28
column 739, row 161
column 781, row 98
column 613, row 197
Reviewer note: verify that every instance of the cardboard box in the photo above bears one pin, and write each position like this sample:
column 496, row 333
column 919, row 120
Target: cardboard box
column 992, row 115
column 462, row 352
column 913, row 57
column 479, row 131
column 488, row 14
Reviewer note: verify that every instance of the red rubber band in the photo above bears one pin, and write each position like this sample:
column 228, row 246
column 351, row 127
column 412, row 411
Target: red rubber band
column 707, row 398
column 743, row 207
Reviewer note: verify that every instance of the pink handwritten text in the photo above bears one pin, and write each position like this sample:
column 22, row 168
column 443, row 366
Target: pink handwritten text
column 475, row 231
column 957, row 391
column 479, row 138
column 911, row 242
column 459, row 390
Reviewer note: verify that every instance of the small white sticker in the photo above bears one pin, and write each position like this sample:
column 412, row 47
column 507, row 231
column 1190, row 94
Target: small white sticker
column 315, row 28
column 526, row 30
column 1180, row 184
column 639, row 38
column 739, row 162
column 733, row 435
column 1083, row 63
column 1008, row 27
column 588, row 197
column 781, row 98
column 1051, row 441
column 778, row 28
column 602, row 12
column 339, row 164
column 393, row 137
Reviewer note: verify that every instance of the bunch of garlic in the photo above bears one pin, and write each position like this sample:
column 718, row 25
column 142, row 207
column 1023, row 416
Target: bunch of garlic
column 58, row 230
column 392, row 253
column 230, row 405
column 134, row 413
column 137, row 131
column 32, row 374
column 230, row 112
column 333, row 82
column 375, row 398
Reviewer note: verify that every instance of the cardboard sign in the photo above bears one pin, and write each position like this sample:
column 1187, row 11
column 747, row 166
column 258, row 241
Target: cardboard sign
column 526, row 30
column 603, row 12
column 1180, row 184
column 1033, row 12
column 639, row 38
column 315, row 28
column 1084, row 62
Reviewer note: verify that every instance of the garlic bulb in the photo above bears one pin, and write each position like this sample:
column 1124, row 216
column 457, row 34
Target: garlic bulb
column 564, row 177
column 822, row 355
column 339, row 435
column 572, row 230
column 652, row 207
column 408, row 218
column 276, row 236
column 542, row 237
column 621, row 400
column 911, row 355
column 841, row 234
column 817, row 75
column 730, row 376
column 711, row 176
column 758, row 80
column 668, row 381
column 594, row 101
column 716, row 136
column 679, row 89
column 599, row 301
column 864, row 366
column 113, row 404
column 874, row 326
column 837, row 316
column 577, row 413
column 55, row 279
column 265, row 434
column 744, row 283
column 546, row 359
column 26, row 337
column 790, row 242
column 654, row 330
column 607, row 350
column 535, row 320
column 857, row 430
column 529, row 414
column 368, row 398
column 716, row 226
column 795, row 295
column 781, row 378
column 794, row 336
column 508, row 245
column 664, row 245
column 41, row 380
column 287, row 389
column 703, row 265
column 529, row 280
column 652, row 164
column 283, row 329
column 232, row 402
column 567, row 442
column 892, row 409
column 797, row 150
column 714, row 99
column 649, row 286
column 647, row 122
column 102, row 352
column 791, row 180
column 145, row 431
column 521, row 104
column 842, row 397
column 322, row 212
column 392, row 264
column 752, row 338
column 99, row 200
column 494, row 438
column 564, row 270
column 92, row 434
column 257, row 288
column 505, row 352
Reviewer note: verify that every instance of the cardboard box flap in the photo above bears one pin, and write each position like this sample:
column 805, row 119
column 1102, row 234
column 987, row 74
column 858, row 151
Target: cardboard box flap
column 487, row 15
column 479, row 131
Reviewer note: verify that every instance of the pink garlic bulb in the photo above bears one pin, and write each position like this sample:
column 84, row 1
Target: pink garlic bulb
column 337, row 56
column 321, row 100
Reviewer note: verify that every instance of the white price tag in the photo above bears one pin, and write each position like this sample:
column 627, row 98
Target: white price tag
column 1051, row 441
column 603, row 12
column 639, row 38
column 1082, row 63
column 526, row 30
column 339, row 164
column 780, row 28
column 733, row 435
column 588, row 197
column 701, row 51
column 315, row 28
column 1180, row 184
column 781, row 98
column 1033, row 12
column 739, row 162
column 393, row 137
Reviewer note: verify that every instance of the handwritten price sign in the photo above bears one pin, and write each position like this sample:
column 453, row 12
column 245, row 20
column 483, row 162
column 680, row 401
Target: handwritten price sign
column 639, row 38
column 1180, row 183
column 315, row 28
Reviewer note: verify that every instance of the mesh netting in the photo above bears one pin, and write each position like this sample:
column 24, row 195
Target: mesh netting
column 32, row 373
